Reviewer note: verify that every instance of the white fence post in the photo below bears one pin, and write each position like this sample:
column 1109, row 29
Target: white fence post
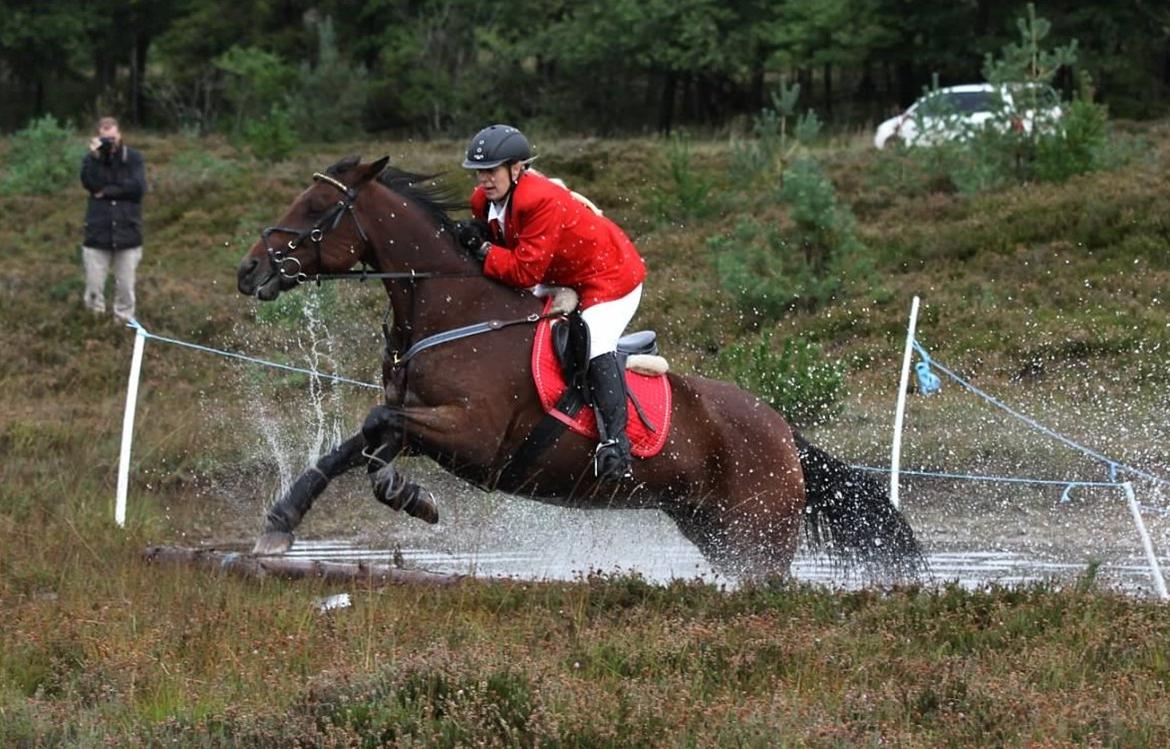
column 128, row 426
column 900, row 409
column 1151, row 557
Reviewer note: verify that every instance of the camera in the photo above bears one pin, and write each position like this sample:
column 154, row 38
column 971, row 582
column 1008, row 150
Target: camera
column 106, row 144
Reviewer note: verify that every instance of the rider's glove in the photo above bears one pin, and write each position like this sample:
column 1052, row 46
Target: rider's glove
column 472, row 235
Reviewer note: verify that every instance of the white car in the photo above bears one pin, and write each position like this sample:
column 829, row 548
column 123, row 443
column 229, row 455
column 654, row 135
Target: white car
column 951, row 113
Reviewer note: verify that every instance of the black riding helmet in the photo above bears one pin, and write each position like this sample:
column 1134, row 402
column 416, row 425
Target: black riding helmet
column 495, row 145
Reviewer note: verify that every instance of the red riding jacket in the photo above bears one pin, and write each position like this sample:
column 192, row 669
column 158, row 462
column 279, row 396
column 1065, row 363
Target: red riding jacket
column 552, row 238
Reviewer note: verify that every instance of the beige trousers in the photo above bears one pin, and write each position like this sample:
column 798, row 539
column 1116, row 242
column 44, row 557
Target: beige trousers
column 97, row 270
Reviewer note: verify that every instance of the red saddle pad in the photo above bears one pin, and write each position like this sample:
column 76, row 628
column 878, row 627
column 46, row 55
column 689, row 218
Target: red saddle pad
column 651, row 392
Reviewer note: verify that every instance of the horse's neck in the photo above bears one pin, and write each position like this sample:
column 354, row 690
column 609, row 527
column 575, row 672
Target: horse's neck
column 404, row 238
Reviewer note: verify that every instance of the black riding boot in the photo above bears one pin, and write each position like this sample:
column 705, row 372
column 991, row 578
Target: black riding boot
column 607, row 383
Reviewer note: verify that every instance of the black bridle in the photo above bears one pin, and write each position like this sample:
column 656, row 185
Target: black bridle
column 279, row 257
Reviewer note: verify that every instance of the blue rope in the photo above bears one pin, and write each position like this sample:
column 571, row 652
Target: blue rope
column 1114, row 465
column 1003, row 479
column 232, row 355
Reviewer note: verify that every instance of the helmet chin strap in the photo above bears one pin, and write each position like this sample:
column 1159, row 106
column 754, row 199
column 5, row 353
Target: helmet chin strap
column 512, row 182
column 507, row 199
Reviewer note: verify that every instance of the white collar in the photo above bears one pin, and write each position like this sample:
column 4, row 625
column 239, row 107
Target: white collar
column 497, row 211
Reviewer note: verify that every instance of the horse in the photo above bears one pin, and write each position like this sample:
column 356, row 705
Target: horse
column 735, row 478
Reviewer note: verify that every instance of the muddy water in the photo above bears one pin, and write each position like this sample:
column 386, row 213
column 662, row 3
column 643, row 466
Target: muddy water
column 663, row 562
column 973, row 536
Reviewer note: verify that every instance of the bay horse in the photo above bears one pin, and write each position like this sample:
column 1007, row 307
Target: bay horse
column 734, row 477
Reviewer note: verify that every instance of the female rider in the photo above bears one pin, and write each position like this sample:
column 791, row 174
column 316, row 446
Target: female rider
column 528, row 230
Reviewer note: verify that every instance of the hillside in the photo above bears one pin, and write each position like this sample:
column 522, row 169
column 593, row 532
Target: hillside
column 1050, row 295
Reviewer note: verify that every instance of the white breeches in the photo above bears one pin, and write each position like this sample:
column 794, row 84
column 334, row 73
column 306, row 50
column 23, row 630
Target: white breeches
column 608, row 320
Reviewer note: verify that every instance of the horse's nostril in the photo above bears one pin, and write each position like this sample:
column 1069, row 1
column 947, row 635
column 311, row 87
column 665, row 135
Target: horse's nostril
column 244, row 274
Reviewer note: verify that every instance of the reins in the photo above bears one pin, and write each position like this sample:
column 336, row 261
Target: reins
column 466, row 331
column 316, row 234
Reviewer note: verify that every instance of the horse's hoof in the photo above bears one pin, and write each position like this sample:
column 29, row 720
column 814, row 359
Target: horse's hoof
column 424, row 508
column 272, row 543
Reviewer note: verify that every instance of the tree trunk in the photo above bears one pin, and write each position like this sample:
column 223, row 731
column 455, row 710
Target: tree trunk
column 688, row 97
column 804, row 78
column 137, row 75
column 907, row 90
column 866, row 91
column 666, row 103
column 756, row 93
column 260, row 567
column 39, row 96
column 829, row 91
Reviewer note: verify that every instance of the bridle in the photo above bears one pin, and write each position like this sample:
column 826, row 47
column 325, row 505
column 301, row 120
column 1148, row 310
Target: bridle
column 279, row 257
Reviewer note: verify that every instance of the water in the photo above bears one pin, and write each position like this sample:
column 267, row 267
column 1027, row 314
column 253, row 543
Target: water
column 973, row 534
column 519, row 539
column 296, row 436
column 662, row 563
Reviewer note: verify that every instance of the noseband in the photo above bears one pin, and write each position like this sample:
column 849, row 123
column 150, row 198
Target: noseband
column 282, row 258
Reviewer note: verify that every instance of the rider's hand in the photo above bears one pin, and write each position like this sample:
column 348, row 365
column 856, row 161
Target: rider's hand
column 473, row 236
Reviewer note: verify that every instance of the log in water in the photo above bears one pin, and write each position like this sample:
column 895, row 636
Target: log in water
column 247, row 565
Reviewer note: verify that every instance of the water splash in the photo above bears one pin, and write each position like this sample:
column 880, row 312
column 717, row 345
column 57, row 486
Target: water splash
column 325, row 401
column 298, row 432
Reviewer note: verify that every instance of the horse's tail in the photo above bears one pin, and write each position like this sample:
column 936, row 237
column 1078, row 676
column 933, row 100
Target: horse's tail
column 848, row 514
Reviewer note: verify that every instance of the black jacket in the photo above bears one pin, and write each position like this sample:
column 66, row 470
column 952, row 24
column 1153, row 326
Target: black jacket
column 114, row 221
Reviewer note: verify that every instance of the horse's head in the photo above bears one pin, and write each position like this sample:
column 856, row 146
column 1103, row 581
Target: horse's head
column 319, row 233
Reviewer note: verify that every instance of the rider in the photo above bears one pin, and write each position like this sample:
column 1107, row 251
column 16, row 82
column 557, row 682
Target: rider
column 528, row 230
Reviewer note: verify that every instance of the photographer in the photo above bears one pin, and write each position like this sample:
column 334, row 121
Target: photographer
column 115, row 177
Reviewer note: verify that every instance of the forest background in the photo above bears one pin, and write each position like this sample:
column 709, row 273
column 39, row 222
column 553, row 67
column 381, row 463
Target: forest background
column 338, row 68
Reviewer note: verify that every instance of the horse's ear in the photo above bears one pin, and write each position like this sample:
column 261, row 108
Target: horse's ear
column 373, row 169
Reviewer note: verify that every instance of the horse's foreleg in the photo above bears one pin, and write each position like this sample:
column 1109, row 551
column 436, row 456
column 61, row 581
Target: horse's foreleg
column 284, row 516
column 383, row 433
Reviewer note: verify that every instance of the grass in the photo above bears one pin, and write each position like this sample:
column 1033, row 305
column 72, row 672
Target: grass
column 1051, row 295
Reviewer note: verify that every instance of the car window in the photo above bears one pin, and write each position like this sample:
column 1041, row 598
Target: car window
column 1035, row 97
column 969, row 102
column 944, row 103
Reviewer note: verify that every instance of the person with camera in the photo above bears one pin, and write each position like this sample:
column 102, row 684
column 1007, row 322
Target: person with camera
column 114, row 175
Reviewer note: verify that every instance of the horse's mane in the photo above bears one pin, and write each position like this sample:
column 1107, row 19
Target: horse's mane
column 422, row 189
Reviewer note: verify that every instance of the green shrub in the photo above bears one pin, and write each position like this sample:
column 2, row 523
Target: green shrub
column 42, row 158
column 272, row 138
column 192, row 171
column 770, row 271
column 775, row 144
column 825, row 229
column 255, row 81
column 797, row 380
column 1078, row 147
column 955, row 154
column 688, row 193
column 334, row 80
column 754, row 264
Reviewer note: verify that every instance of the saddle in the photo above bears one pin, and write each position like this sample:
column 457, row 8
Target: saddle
column 560, row 360
column 570, row 342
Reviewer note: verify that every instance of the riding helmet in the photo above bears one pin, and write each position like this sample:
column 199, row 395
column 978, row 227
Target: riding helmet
column 495, row 145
